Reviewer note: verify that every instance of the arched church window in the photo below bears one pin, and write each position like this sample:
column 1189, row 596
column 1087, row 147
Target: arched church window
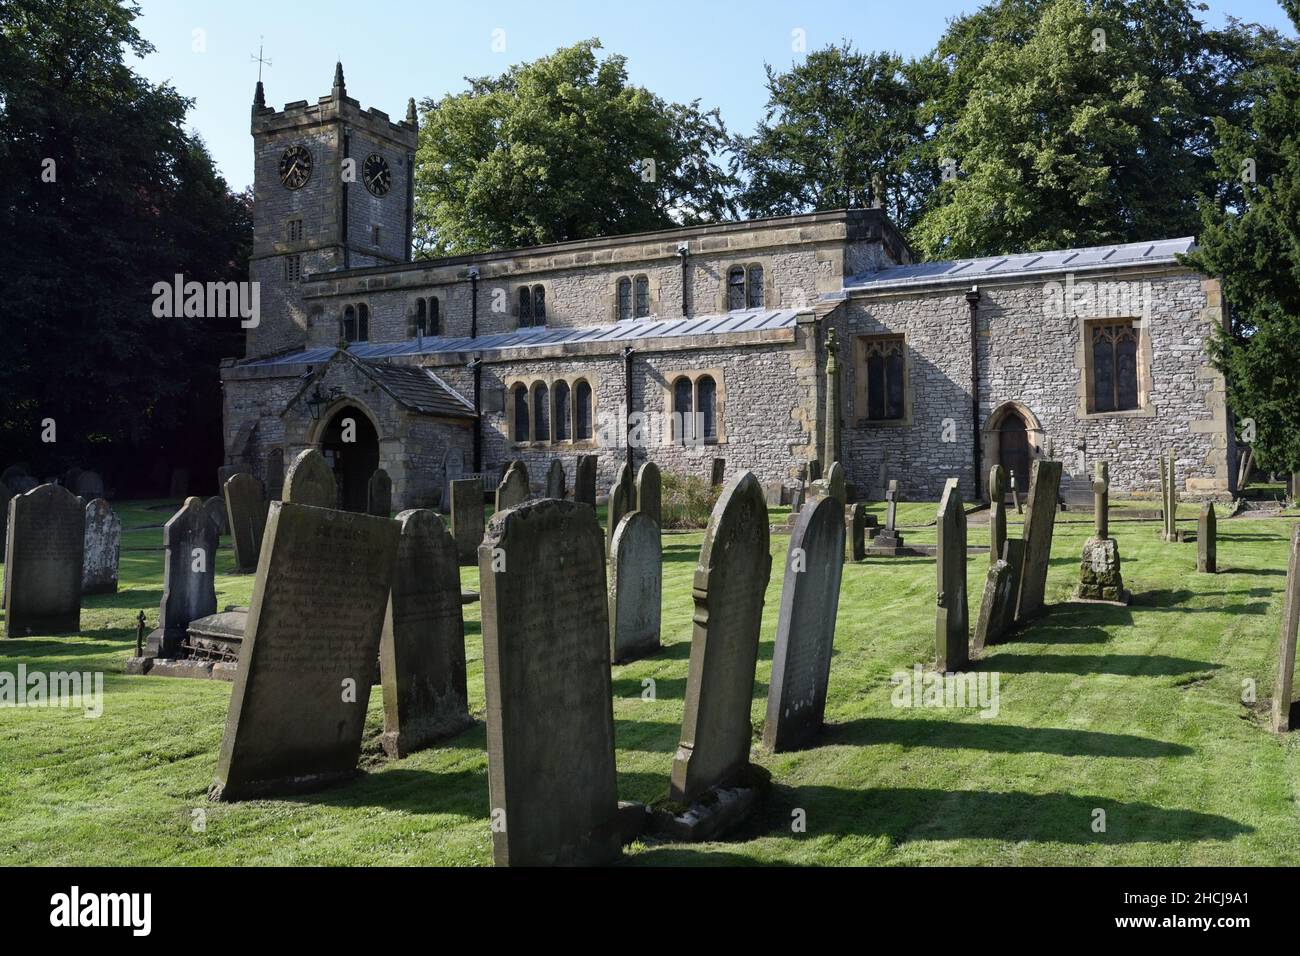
column 754, row 288
column 420, row 320
column 562, row 411
column 706, row 398
column 356, row 323
column 642, row 304
column 683, row 410
column 363, row 323
column 624, row 299
column 521, row 413
column 539, row 305
column 1114, row 367
column 735, row 288
column 541, row 412
column 582, row 411
column 435, row 317
column 525, row 307
column 882, row 366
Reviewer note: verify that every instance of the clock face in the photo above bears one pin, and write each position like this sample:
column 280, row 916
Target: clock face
column 376, row 175
column 295, row 167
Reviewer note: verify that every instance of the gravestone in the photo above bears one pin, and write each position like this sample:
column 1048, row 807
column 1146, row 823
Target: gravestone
column 5, row 495
column 553, row 796
column 89, row 485
column 13, row 471
column 800, row 497
column 622, row 494
column 311, row 482
column 275, row 474
column 1207, row 561
column 43, row 562
column 467, row 518
column 226, row 472
column 215, row 509
column 815, row 470
column 379, row 494
column 422, row 654
column 246, row 517
column 584, row 480
column 998, row 604
column 863, row 528
column 1040, row 521
column 835, row 484
column 307, row 660
column 1284, row 708
column 453, row 469
column 21, row 484
column 179, row 487
column 889, row 541
column 189, row 575
column 805, row 630
column 952, row 617
column 997, row 512
column 1015, row 492
column 773, row 493
column 730, row 585
column 1169, row 498
column 513, row 490
column 1100, row 577
column 103, row 549
column 555, row 480
column 635, row 582
column 719, row 471
column 649, row 492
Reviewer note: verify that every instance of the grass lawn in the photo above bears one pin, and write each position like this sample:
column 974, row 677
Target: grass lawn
column 1135, row 711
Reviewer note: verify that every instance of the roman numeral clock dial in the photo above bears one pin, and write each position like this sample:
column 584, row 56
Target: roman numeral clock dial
column 376, row 175
column 295, row 167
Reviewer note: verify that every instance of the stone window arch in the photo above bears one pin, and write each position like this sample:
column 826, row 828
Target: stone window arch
column 624, row 297
column 694, row 401
column 563, row 411
column 582, row 410
column 424, row 317
column 745, row 287
column 520, row 430
column 356, row 322
column 541, row 412
column 735, row 288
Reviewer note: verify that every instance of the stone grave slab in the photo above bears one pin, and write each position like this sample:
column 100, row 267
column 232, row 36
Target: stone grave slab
column 635, row 588
column 310, row 481
column 467, row 518
column 952, row 614
column 649, row 492
column 555, row 480
column 513, row 490
column 584, row 480
column 189, row 576
column 379, row 494
column 1040, row 521
column 103, row 549
column 44, row 555
column 246, row 517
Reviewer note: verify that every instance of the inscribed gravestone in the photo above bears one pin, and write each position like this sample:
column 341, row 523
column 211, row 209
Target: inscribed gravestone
column 584, row 480
column 1283, row 706
column 298, row 706
column 422, row 654
column 835, row 484
column 621, row 500
column 889, row 541
column 46, row 539
column 730, row 585
column 189, row 573
column 997, row 512
column 246, row 516
column 952, row 616
column 379, row 494
column 555, row 480
column 649, row 492
column 998, row 605
column 215, row 509
column 453, row 469
column 805, row 630
column 103, row 548
column 89, row 485
column 635, row 582
column 550, row 721
column 275, row 475
column 467, row 517
column 1207, row 561
column 1040, row 520
column 513, row 490
column 310, row 481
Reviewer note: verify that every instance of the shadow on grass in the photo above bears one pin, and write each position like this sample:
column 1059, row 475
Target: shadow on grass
column 998, row 738
column 1123, row 665
column 22, row 649
column 1167, row 600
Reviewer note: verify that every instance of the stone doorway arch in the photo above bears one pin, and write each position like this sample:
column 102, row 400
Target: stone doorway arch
column 1012, row 438
column 349, row 439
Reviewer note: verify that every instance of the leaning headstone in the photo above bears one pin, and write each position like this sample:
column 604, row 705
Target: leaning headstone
column 453, row 469
column 1284, row 708
column 215, row 509
column 379, row 494
column 513, row 490
column 1100, row 577
column 805, row 630
column 226, row 472
column 275, row 475
column 103, row 548
column 997, row 512
column 189, row 575
column 998, row 605
column 1040, row 521
column 555, row 480
column 719, row 471
column 422, row 654
column 43, row 562
column 952, row 617
column 310, row 481
column 584, row 480
column 1207, row 561
column 621, row 500
column 730, row 586
column 1015, row 493
column 635, row 582
column 552, row 790
column 649, row 492
column 89, row 485
column 246, row 517
column 307, row 660
column 467, row 517
column 5, row 495
column 889, row 541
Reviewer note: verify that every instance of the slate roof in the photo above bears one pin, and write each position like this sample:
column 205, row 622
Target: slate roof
column 1160, row 252
column 418, row 389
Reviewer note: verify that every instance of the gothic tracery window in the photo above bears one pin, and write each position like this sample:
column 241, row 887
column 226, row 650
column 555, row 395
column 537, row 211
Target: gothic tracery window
column 882, row 364
column 1114, row 367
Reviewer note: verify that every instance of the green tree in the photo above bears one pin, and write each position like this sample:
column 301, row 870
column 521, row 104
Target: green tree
column 103, row 194
column 1061, row 123
column 840, row 131
column 563, row 148
column 1253, row 244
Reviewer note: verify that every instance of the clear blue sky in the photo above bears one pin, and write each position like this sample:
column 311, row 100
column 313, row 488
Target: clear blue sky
column 395, row 49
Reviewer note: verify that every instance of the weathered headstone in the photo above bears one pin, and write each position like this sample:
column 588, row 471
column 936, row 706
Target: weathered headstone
column 5, row 495
column 89, row 485
column 1100, row 577
column 379, row 494
column 43, row 562
column 215, row 509
column 719, row 471
column 189, row 574
column 730, row 585
column 805, row 630
column 635, row 582
column 422, row 654
column 307, row 660
column 889, row 541
column 226, row 472
column 835, row 484
column 467, row 517
column 584, row 480
column 555, row 480
column 1207, row 561
column 22, row 484
column 513, row 490
column 310, row 481
column 952, row 616
column 1284, row 708
column 552, row 790
column 997, row 512
column 622, row 495
column 862, row 528
column 773, row 493
column 815, row 470
column 1169, row 497
column 1015, row 492
column 998, row 605
column 13, row 471
column 275, row 474
column 649, row 492
column 103, row 548
column 1040, row 521
column 453, row 469
column 246, row 516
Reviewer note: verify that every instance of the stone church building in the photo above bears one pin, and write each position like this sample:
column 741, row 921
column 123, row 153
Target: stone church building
column 710, row 341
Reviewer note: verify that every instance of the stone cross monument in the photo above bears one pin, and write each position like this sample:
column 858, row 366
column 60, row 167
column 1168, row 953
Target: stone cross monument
column 1099, row 571
column 832, row 452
